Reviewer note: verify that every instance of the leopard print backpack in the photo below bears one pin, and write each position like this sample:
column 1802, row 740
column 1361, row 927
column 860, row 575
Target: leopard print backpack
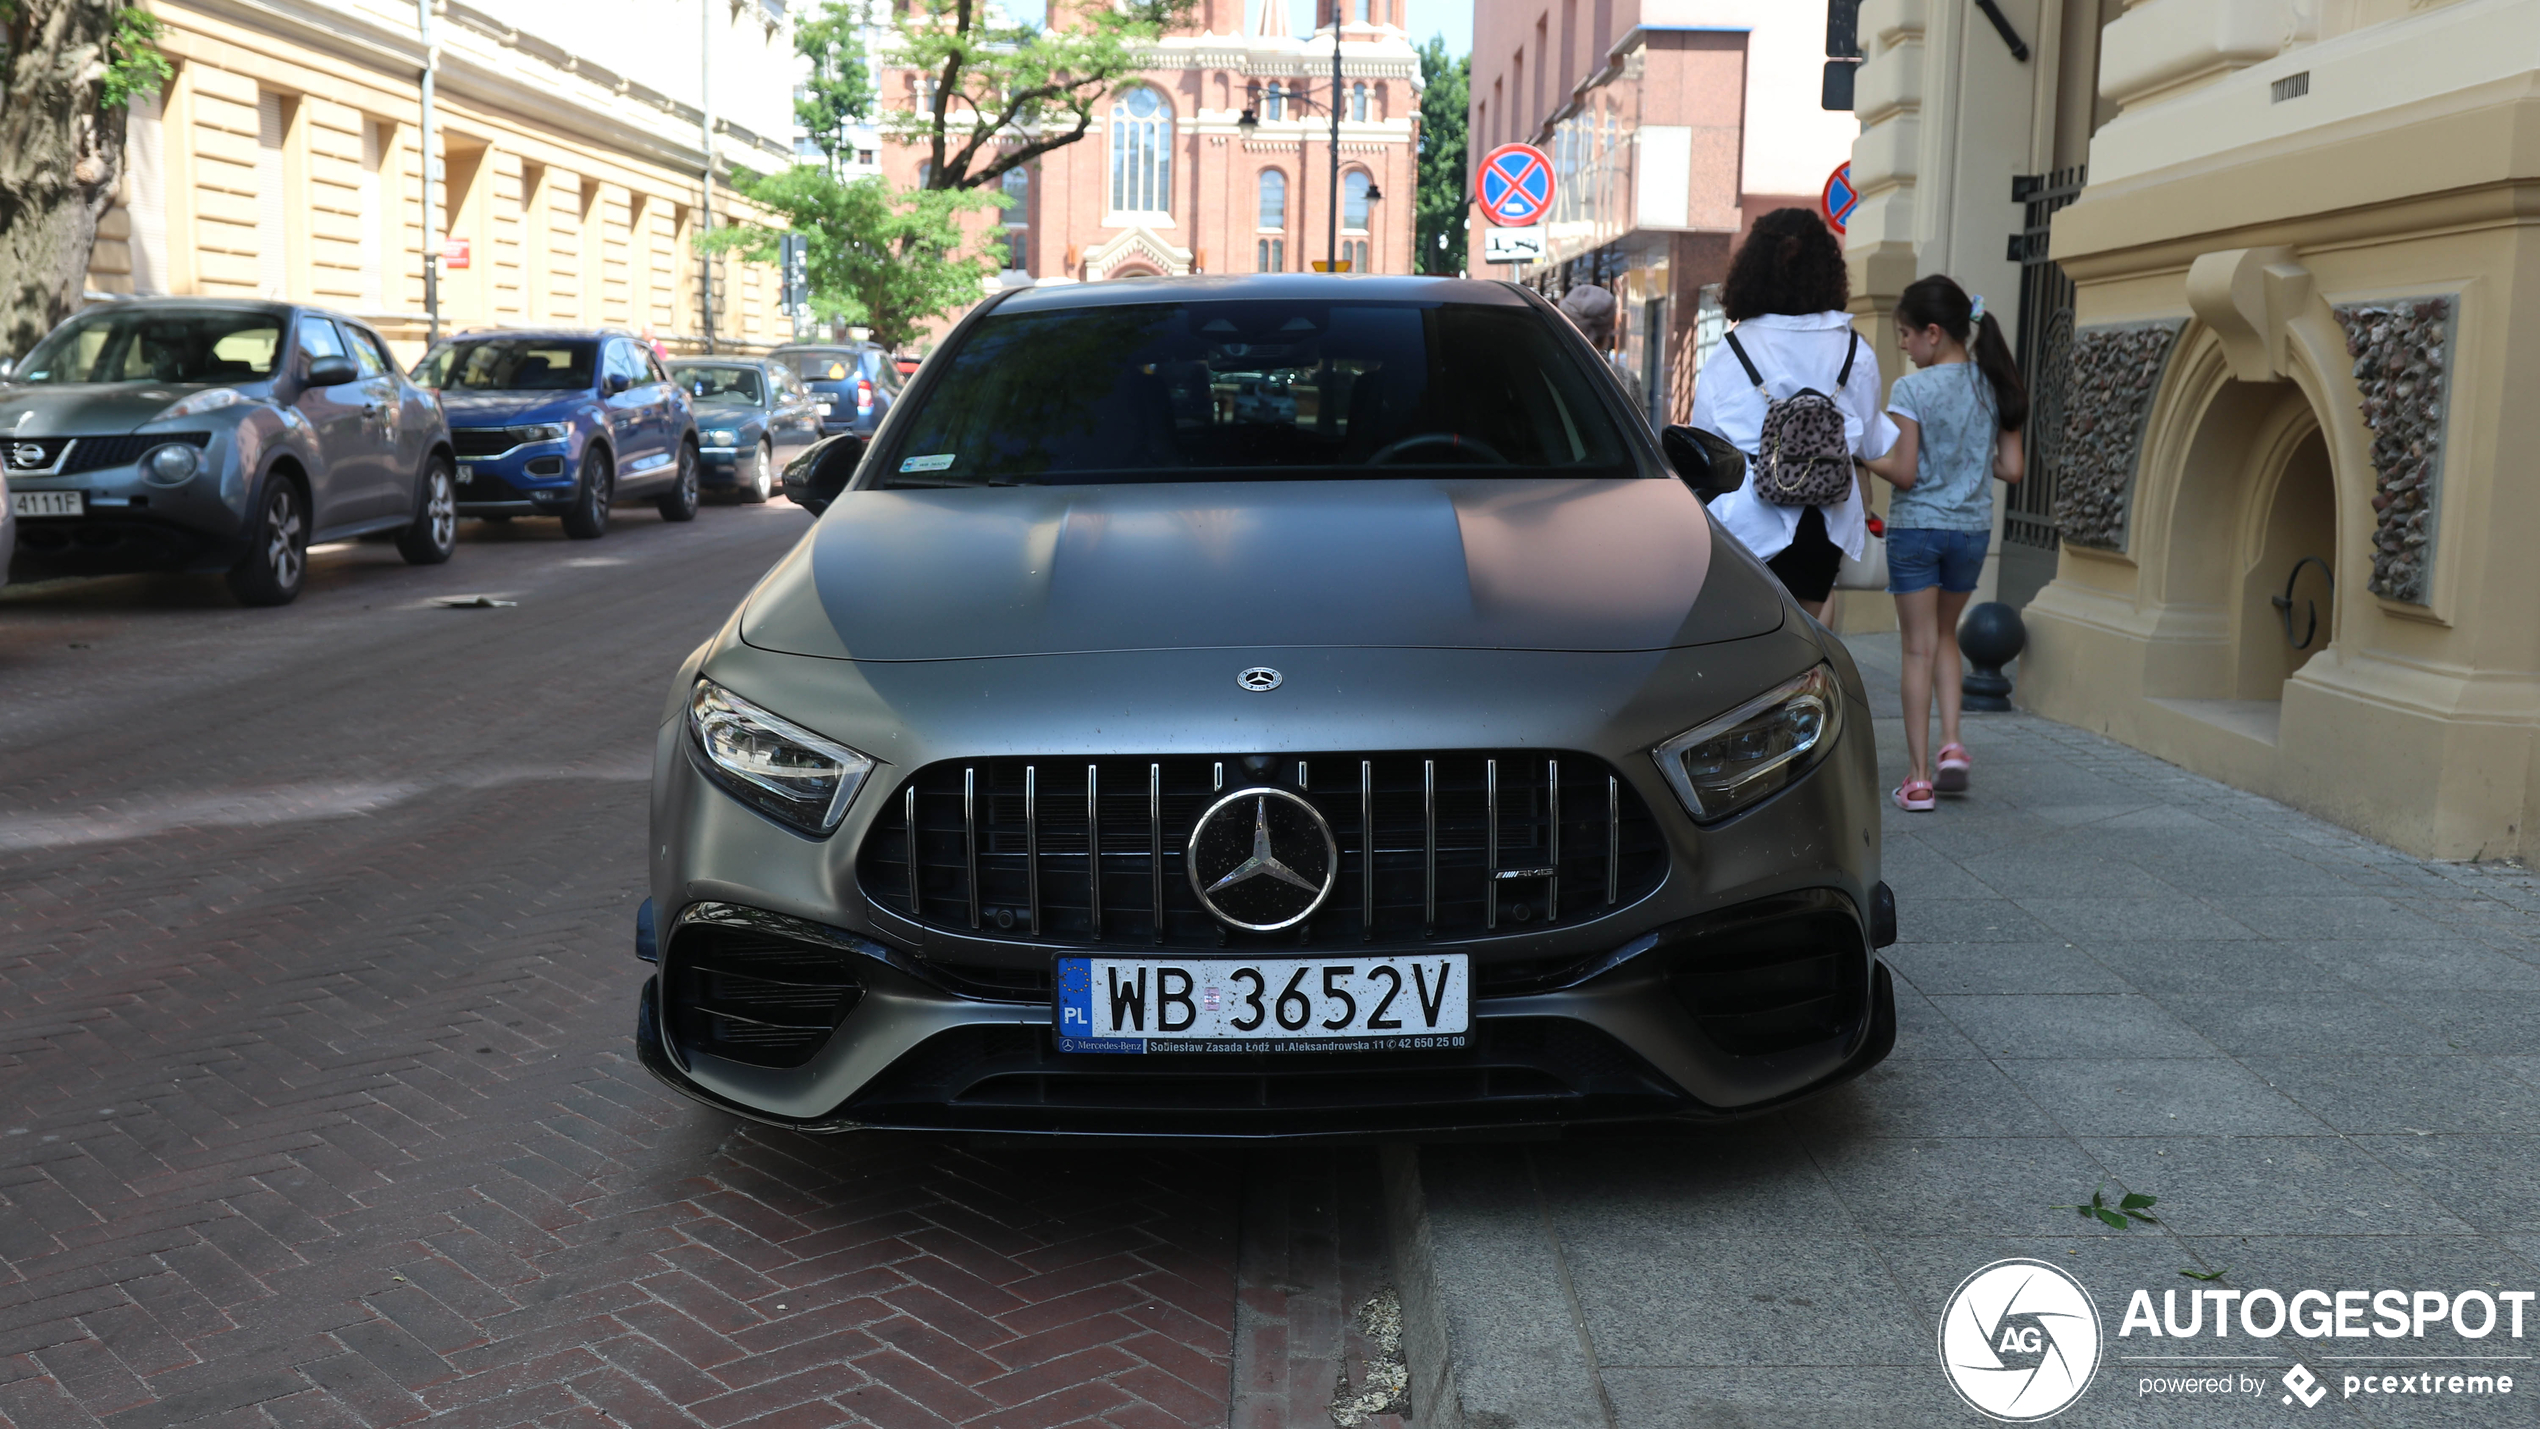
column 1804, row 457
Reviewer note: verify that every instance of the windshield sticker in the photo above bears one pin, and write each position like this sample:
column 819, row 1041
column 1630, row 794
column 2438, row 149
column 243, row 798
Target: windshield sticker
column 937, row 462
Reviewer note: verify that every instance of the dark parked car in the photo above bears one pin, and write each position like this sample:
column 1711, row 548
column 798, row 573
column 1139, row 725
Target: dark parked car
column 858, row 381
column 564, row 424
column 1115, row 757
column 751, row 415
column 184, row 434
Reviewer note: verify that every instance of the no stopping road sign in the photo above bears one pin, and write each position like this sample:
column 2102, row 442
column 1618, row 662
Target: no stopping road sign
column 1515, row 185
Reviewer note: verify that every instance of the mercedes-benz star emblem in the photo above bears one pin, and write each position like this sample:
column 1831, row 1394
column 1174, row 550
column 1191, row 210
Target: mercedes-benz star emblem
column 1260, row 679
column 1262, row 860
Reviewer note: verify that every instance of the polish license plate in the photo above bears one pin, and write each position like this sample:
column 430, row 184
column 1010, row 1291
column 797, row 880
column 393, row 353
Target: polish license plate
column 49, row 503
column 1139, row 1005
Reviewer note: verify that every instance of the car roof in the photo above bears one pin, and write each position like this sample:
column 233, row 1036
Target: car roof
column 825, row 347
column 718, row 362
column 1255, row 287
column 224, row 305
column 537, row 334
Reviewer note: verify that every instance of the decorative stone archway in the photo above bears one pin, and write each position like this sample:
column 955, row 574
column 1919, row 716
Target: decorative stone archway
column 1137, row 251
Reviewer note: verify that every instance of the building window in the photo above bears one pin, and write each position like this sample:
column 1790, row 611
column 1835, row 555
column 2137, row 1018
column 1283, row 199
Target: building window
column 1358, row 104
column 1355, row 250
column 1017, row 184
column 1141, row 153
column 1274, row 105
column 1354, row 186
column 1270, row 255
column 865, row 157
column 1274, row 199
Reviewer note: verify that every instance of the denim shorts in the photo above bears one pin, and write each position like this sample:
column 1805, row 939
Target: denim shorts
column 1918, row 559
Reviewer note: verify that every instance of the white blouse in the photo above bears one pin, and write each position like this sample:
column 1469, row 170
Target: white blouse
column 1792, row 352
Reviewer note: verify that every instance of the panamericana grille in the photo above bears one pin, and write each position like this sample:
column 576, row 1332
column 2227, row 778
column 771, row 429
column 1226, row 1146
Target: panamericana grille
column 1464, row 844
column 37, row 454
column 756, row 997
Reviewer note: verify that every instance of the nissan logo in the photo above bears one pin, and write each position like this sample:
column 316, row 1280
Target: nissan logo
column 29, row 454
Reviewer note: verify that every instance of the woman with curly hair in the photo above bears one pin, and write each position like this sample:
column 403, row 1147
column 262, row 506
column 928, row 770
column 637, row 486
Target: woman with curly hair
column 1786, row 292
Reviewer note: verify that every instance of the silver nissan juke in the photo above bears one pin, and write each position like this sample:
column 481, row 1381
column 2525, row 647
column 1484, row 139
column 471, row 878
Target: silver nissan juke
column 1286, row 706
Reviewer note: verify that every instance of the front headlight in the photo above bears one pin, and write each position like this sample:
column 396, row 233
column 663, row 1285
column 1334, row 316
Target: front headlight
column 722, row 439
column 542, row 432
column 208, row 400
column 171, row 464
column 773, row 765
column 1755, row 750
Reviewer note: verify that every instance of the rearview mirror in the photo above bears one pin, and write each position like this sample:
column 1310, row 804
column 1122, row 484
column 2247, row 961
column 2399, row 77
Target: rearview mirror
column 8, row 366
column 1705, row 460
column 615, row 383
column 331, row 371
column 815, row 478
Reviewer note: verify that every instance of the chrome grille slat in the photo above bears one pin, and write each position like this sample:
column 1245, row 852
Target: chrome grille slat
column 1032, row 845
column 1446, row 845
column 1093, row 845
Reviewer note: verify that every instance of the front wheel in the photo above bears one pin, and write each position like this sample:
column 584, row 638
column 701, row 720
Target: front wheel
column 278, row 558
column 587, row 519
column 435, row 532
column 681, row 503
column 762, row 482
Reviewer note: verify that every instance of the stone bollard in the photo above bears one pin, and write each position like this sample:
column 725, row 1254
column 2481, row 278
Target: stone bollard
column 1990, row 637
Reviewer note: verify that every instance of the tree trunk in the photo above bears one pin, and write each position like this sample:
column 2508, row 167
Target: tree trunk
column 61, row 152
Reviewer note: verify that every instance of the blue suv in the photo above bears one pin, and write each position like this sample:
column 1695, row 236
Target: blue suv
column 564, row 424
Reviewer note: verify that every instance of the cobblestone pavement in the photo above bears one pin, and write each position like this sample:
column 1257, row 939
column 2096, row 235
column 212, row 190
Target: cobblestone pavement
column 316, row 1101
column 2321, row 1055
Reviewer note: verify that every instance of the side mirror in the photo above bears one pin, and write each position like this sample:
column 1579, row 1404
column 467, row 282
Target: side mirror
column 1705, row 460
column 8, row 368
column 332, row 371
column 615, row 383
column 817, row 476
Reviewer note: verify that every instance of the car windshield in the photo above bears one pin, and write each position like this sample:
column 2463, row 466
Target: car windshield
column 1256, row 390
column 734, row 386
column 509, row 364
column 153, row 344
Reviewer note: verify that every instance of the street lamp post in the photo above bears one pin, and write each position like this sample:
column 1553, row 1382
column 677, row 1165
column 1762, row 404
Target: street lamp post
column 1249, row 122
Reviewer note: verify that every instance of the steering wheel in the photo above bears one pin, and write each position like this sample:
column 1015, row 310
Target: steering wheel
column 1461, row 443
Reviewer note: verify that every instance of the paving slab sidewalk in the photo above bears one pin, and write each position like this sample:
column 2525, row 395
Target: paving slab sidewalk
column 2322, row 1055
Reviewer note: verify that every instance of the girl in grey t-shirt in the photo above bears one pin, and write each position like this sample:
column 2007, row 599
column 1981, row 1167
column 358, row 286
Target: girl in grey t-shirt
column 1958, row 417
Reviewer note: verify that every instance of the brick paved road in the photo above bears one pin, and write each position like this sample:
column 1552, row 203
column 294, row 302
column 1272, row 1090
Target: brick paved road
column 316, row 1105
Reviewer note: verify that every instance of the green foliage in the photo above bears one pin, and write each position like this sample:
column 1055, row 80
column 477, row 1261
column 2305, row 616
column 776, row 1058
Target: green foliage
column 1444, row 106
column 134, row 64
column 840, row 89
column 2206, row 1274
column 2133, row 1204
column 989, row 81
column 883, row 258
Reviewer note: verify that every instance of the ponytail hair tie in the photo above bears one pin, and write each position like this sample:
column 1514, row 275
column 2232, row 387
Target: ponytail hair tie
column 1976, row 312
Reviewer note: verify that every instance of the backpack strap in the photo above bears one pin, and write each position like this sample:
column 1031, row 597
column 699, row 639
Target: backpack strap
column 1749, row 364
column 1843, row 379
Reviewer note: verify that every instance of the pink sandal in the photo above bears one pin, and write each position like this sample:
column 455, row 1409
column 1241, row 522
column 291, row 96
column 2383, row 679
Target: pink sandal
column 1914, row 796
column 1954, row 766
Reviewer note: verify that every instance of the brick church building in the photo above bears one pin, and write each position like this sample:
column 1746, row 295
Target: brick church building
column 1171, row 180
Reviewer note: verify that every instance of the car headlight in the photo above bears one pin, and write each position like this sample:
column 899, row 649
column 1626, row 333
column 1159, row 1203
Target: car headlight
column 542, row 432
column 173, row 463
column 211, row 399
column 722, row 439
column 1755, row 750
column 773, row 765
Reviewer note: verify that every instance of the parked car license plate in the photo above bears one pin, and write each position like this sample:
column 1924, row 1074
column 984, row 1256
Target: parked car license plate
column 49, row 503
column 1138, row 1005
column 466, row 472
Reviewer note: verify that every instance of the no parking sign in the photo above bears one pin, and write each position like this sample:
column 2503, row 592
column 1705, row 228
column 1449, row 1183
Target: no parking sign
column 1515, row 185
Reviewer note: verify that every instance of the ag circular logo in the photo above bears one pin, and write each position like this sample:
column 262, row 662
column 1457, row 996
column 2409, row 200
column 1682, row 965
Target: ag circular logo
column 1262, row 860
column 2020, row 1340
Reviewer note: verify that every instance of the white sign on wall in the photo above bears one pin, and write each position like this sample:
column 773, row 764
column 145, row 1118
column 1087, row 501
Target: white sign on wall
column 1513, row 245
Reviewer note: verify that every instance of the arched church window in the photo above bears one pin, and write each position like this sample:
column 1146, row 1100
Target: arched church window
column 1141, row 153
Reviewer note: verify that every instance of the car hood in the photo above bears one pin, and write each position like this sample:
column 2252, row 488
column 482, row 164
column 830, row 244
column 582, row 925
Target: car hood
column 86, row 408
column 492, row 409
column 1457, row 564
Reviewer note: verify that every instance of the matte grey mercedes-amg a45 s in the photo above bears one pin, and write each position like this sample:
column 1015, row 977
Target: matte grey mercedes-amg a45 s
column 1278, row 706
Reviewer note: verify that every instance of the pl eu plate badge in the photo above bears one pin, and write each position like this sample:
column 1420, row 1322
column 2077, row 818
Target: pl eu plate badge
column 1076, row 1012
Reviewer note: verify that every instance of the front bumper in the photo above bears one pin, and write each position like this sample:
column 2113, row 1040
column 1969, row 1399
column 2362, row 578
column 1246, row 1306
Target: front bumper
column 1621, row 1043
column 722, row 466
column 531, row 479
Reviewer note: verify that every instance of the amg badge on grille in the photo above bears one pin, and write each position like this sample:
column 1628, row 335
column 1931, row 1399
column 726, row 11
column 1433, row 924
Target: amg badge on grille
column 1260, row 679
column 1262, row 859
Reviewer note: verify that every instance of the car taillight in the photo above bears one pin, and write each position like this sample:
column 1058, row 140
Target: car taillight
column 864, row 394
